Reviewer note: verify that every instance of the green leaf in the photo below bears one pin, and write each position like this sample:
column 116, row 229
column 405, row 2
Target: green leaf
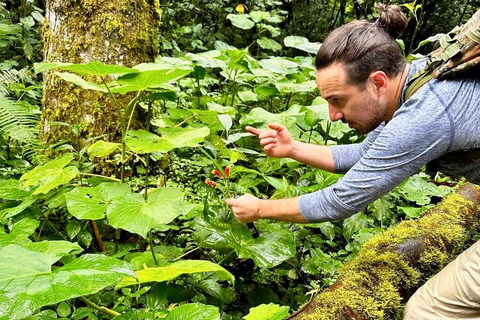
column 279, row 65
column 270, row 250
column 262, row 116
column 136, row 215
column 19, row 232
column 301, row 43
column 194, row 311
column 258, row 16
column 102, row 148
column 96, row 68
column 28, row 283
column 9, row 29
column 288, row 86
column 92, row 202
column 10, row 190
column 419, row 191
column 141, row 141
column 354, row 223
column 269, row 44
column 93, row 68
column 73, row 78
column 209, row 59
column 268, row 312
column 63, row 309
column 50, row 175
column 274, row 245
column 241, row 21
column 149, row 79
column 247, row 96
column 11, row 212
column 174, row 270
column 54, row 250
column 265, row 91
column 411, row 212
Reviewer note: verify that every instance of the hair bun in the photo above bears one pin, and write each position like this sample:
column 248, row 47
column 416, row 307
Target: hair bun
column 391, row 19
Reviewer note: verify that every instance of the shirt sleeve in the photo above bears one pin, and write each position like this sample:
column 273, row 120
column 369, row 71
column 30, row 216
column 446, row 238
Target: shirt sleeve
column 419, row 132
column 347, row 155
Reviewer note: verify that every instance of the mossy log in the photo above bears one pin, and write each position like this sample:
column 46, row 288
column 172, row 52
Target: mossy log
column 391, row 266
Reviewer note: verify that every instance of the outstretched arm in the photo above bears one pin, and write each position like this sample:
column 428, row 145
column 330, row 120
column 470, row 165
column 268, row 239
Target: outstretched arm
column 278, row 143
column 248, row 208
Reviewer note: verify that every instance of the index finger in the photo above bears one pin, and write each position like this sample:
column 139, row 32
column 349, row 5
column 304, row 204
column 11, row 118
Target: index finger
column 253, row 130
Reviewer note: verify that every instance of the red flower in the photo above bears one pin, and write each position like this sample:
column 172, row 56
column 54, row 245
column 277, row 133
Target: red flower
column 227, row 171
column 217, row 173
column 210, row 182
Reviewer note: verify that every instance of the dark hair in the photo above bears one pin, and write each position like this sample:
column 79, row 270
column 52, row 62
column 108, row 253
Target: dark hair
column 363, row 46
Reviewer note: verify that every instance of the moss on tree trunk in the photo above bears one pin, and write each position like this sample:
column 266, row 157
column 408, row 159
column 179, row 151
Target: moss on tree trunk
column 391, row 266
column 79, row 31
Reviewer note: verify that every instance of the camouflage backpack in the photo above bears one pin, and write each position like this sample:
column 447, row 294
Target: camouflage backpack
column 459, row 51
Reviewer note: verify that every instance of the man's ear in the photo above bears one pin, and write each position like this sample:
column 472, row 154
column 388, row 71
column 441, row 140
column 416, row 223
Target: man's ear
column 380, row 82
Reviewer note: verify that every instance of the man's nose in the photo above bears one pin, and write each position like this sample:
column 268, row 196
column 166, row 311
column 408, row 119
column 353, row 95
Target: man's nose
column 334, row 113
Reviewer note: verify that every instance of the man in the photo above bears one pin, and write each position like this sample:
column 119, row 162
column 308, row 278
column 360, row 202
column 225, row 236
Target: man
column 362, row 74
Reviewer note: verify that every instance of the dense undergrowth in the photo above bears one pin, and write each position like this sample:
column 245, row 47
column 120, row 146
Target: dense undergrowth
column 154, row 238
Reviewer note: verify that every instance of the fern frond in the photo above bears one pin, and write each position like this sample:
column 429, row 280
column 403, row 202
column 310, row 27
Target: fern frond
column 10, row 76
column 18, row 122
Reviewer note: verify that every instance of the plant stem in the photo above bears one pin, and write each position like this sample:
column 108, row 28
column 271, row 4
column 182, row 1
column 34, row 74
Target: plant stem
column 101, row 309
column 150, row 240
column 306, row 133
column 186, row 253
column 98, row 236
column 225, row 258
column 51, row 224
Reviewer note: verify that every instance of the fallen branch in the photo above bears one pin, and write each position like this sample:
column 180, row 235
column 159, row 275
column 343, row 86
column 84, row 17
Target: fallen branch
column 392, row 265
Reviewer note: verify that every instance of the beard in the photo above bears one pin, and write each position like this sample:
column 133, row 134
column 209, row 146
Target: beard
column 376, row 117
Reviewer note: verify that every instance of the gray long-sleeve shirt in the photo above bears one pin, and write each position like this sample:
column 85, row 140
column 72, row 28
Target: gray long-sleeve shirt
column 441, row 117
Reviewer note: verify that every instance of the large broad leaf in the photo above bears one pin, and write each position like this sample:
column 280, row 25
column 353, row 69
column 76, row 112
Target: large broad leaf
column 50, row 175
column 194, row 311
column 176, row 269
column 262, row 116
column 87, row 85
column 141, row 141
column 18, row 232
column 279, row 65
column 136, row 215
column 151, row 78
column 102, row 148
column 209, row 59
column 270, row 250
column 54, row 250
column 288, row 86
column 420, row 191
column 269, row 44
column 28, row 283
column 241, row 21
column 268, row 312
column 301, row 43
column 274, row 245
column 9, row 29
column 92, row 202
column 93, row 68
column 10, row 190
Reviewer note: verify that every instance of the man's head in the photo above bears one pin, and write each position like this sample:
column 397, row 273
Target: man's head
column 360, row 58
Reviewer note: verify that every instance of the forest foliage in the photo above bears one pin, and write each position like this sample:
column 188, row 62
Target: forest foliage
column 153, row 237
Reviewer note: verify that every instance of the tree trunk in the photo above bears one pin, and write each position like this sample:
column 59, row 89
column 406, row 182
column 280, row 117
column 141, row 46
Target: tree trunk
column 117, row 32
column 391, row 266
